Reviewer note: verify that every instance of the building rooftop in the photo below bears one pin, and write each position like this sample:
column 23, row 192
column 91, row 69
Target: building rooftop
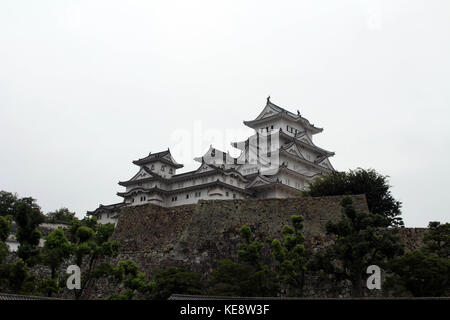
column 163, row 156
column 272, row 111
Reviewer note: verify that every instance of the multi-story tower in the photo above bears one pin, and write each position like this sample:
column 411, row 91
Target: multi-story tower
column 278, row 161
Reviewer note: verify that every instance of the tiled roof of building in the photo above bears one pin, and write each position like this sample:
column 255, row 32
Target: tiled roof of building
column 175, row 191
column 9, row 296
column 304, row 144
column 159, row 156
column 181, row 176
column 281, row 112
column 110, row 207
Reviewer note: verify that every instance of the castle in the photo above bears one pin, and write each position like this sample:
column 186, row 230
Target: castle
column 278, row 161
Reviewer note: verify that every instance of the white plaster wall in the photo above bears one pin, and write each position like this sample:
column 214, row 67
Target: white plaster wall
column 104, row 219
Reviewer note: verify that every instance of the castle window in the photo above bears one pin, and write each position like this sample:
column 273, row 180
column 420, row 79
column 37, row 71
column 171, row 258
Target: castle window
column 226, row 194
column 187, row 196
column 171, row 171
column 234, row 195
column 152, row 167
column 163, row 167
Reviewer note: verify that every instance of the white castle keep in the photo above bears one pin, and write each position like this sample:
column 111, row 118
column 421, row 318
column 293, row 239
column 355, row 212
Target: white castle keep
column 278, row 161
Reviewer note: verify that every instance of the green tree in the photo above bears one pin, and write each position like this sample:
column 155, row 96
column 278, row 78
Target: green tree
column 437, row 239
column 127, row 275
column 28, row 217
column 424, row 272
column 62, row 215
column 420, row 274
column 174, row 280
column 292, row 257
column 7, row 203
column 56, row 249
column 250, row 276
column 362, row 239
column 361, row 181
column 16, row 278
column 5, row 227
column 231, row 278
column 90, row 243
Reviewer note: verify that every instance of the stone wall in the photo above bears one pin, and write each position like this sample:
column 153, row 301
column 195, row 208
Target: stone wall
column 196, row 236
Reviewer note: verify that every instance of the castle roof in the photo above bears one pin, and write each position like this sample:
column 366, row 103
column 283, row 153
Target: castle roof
column 106, row 208
column 176, row 191
column 273, row 112
column 217, row 156
column 284, row 150
column 182, row 176
column 163, row 156
column 303, row 140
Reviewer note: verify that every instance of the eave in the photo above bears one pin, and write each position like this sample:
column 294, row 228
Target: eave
column 176, row 191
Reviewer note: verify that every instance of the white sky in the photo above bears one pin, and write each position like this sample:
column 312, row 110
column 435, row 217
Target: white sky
column 88, row 86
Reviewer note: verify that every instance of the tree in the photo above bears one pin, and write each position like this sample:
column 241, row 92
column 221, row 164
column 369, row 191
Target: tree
column 125, row 274
column 5, row 227
column 361, row 181
column 172, row 280
column 231, row 278
column 362, row 239
column 7, row 203
column 16, row 278
column 424, row 272
column 250, row 276
column 28, row 217
column 90, row 243
column 62, row 215
column 437, row 239
column 292, row 257
column 420, row 274
column 56, row 249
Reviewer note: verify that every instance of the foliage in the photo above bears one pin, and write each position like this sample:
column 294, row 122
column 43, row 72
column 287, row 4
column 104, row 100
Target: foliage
column 424, row 272
column 56, row 249
column 361, row 181
column 16, row 278
column 248, row 277
column 292, row 257
column 420, row 274
column 5, row 227
column 173, row 280
column 90, row 243
column 28, row 217
column 127, row 274
column 231, row 278
column 62, row 215
column 7, row 203
column 437, row 239
column 361, row 240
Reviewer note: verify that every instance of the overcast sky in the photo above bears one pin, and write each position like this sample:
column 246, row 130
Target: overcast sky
column 88, row 86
